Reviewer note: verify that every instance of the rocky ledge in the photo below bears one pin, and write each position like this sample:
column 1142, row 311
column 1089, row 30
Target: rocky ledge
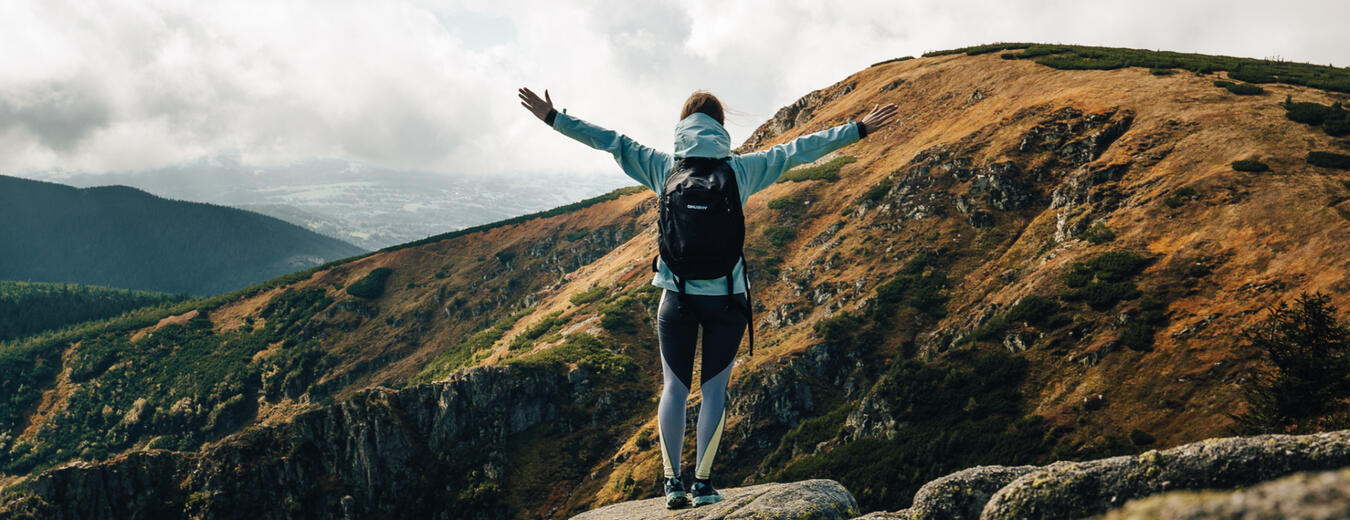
column 1259, row 477
column 805, row 500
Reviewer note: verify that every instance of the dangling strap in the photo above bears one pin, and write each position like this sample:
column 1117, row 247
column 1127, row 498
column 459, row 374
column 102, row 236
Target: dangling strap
column 746, row 309
column 682, row 297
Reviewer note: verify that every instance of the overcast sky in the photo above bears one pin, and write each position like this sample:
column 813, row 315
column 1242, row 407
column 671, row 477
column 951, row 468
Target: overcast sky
column 130, row 85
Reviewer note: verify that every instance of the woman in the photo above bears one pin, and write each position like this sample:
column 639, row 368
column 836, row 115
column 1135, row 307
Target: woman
column 700, row 133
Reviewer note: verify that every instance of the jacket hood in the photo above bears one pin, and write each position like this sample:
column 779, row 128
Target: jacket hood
column 699, row 135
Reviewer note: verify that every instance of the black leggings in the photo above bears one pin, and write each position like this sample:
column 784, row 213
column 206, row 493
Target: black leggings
column 722, row 326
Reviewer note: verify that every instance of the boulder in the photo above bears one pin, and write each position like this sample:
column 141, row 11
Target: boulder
column 805, row 500
column 958, row 496
column 1081, row 489
column 1324, row 495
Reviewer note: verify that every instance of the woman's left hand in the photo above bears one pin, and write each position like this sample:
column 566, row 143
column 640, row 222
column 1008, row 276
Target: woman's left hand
column 879, row 117
column 540, row 107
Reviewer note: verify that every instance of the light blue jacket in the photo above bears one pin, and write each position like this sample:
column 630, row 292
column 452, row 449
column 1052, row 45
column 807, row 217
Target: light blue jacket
column 699, row 135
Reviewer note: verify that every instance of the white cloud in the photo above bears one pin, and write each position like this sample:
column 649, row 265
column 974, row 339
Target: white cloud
column 431, row 85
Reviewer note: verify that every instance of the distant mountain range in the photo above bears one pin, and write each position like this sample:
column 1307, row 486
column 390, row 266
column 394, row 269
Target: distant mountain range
column 366, row 205
column 118, row 236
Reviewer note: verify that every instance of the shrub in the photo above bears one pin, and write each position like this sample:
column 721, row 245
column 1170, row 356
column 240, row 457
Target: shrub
column 1306, row 113
column 1103, row 281
column 1118, row 265
column 370, row 286
column 1251, row 75
column 1329, row 160
column 824, row 172
column 588, row 296
column 1338, row 127
column 877, row 192
column 1161, row 72
column 1103, row 295
column 1244, row 89
column 1310, row 352
column 1141, row 438
column 1099, row 234
column 1250, row 165
column 780, row 236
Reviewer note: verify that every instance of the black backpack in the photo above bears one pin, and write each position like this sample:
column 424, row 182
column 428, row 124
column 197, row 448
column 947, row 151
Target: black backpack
column 702, row 228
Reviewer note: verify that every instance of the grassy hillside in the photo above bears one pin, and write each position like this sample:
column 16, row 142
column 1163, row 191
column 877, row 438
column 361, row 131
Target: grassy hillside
column 121, row 237
column 1035, row 263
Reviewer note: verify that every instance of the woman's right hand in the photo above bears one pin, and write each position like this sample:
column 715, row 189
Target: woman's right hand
column 879, row 117
column 531, row 101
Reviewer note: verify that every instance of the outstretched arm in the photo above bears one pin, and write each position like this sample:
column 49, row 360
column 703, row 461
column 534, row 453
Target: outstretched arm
column 645, row 165
column 760, row 169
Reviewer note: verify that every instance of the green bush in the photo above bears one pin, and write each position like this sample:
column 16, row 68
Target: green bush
column 1251, row 75
column 588, row 296
column 553, row 321
column 1102, row 295
column 1117, row 265
column 1250, row 165
column 1329, row 160
column 1310, row 352
column 1244, row 89
column 370, row 286
column 780, row 236
column 1099, row 234
column 877, row 192
column 1103, row 280
column 824, row 172
column 1161, row 72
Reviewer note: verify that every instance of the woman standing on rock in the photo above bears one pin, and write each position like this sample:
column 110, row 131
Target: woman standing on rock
column 702, row 163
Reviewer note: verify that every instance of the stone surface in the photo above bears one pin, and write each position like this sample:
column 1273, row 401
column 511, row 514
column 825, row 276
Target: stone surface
column 1081, row 489
column 805, row 500
column 1324, row 495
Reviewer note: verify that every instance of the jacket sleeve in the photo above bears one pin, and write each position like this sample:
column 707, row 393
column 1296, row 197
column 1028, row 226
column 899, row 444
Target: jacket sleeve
column 646, row 165
column 760, row 169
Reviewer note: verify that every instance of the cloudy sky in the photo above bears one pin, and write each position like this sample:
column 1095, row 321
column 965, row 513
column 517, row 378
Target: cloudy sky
column 97, row 86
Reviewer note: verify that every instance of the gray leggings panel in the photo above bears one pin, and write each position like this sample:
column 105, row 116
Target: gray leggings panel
column 678, row 331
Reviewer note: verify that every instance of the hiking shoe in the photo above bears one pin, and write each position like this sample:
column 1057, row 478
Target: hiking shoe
column 675, row 497
column 704, row 493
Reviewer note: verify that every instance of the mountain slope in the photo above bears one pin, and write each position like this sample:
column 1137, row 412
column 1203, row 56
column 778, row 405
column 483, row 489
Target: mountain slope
column 1034, row 264
column 122, row 237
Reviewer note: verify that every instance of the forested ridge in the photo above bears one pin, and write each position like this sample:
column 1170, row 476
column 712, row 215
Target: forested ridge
column 118, row 236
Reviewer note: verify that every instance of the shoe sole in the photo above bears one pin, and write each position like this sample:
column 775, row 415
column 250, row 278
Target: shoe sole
column 677, row 502
column 703, row 501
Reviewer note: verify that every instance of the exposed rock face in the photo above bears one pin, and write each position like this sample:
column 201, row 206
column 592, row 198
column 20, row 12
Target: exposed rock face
column 1310, row 496
column 790, row 116
column 1079, row 489
column 805, row 500
column 430, row 451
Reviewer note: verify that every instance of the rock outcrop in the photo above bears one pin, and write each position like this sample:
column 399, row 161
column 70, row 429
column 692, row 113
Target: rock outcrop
column 959, row 496
column 368, row 455
column 1156, row 484
column 1079, row 489
column 805, row 500
column 1313, row 496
